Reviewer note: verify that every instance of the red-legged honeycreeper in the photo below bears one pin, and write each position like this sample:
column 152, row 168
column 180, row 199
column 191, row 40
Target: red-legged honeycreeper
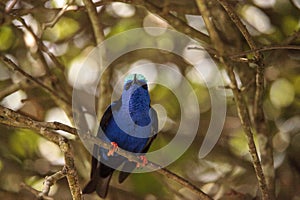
column 128, row 123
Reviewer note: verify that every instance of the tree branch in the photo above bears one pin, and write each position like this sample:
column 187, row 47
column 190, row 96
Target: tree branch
column 241, row 104
column 13, row 88
column 266, row 48
column 70, row 168
column 51, row 180
column 12, row 118
column 258, row 112
column 174, row 21
column 57, row 16
column 62, row 102
column 150, row 165
column 35, row 192
column 104, row 85
column 236, row 20
column 97, row 27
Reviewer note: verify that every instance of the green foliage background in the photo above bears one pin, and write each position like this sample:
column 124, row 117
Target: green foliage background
column 25, row 157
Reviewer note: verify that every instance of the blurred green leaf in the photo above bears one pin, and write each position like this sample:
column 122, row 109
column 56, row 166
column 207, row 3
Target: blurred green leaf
column 147, row 183
column 23, row 143
column 282, row 93
column 63, row 29
column 7, row 38
column 290, row 24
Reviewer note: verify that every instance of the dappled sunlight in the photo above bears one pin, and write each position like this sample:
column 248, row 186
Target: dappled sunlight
column 51, row 50
column 14, row 100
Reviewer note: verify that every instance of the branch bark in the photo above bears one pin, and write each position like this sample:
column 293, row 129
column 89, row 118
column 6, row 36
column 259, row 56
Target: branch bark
column 63, row 98
column 104, row 86
column 150, row 165
column 59, row 100
column 266, row 149
column 51, row 180
column 12, row 118
column 241, row 104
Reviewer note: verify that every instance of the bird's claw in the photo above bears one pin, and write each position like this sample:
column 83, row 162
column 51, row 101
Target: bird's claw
column 144, row 162
column 113, row 149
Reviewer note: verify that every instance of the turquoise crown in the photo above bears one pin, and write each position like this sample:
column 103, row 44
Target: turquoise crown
column 139, row 77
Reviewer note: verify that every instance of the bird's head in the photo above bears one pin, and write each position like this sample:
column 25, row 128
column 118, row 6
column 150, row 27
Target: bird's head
column 134, row 81
column 135, row 86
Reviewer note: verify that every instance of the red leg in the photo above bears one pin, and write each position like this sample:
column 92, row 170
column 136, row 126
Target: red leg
column 113, row 149
column 145, row 161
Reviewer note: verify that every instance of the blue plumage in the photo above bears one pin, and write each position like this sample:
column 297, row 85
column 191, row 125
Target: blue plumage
column 132, row 124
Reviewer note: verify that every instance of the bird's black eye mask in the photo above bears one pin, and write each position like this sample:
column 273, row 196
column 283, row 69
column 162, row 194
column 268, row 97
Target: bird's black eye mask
column 142, row 84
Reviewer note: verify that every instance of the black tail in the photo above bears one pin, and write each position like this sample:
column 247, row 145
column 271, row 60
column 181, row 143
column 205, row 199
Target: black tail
column 100, row 186
column 99, row 182
column 126, row 170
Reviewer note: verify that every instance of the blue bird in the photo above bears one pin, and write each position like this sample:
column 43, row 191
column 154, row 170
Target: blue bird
column 129, row 123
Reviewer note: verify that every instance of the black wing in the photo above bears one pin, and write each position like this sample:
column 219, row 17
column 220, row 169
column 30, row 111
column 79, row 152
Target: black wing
column 100, row 173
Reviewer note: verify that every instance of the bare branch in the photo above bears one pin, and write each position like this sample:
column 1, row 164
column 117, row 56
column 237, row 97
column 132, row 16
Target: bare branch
column 62, row 102
column 35, row 192
column 258, row 113
column 104, row 85
column 97, row 27
column 57, row 16
column 13, row 88
column 12, row 118
column 70, row 168
column 11, row 5
column 51, row 180
column 210, row 27
column 236, row 20
column 241, row 104
column 266, row 48
column 150, row 165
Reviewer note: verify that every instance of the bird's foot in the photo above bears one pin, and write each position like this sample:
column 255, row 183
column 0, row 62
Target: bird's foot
column 144, row 162
column 113, row 149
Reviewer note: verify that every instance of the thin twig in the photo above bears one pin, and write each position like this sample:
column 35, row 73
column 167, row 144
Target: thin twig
column 59, row 126
column 48, row 78
column 262, row 49
column 236, row 20
column 39, row 52
column 35, row 192
column 34, row 10
column 258, row 113
column 174, row 21
column 15, row 67
column 97, row 26
column 62, row 102
column 104, row 84
column 13, row 88
column 210, row 27
column 11, row 5
column 241, row 104
column 52, row 57
column 57, row 16
column 51, row 180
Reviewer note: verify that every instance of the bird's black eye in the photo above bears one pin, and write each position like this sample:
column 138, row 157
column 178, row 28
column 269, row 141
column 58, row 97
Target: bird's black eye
column 127, row 85
column 145, row 86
